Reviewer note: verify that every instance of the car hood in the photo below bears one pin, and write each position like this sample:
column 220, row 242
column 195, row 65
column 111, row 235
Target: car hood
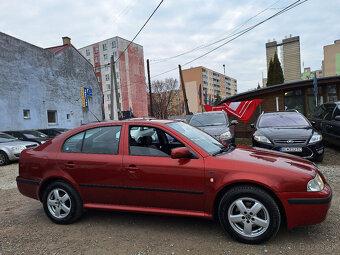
column 214, row 130
column 286, row 133
column 280, row 171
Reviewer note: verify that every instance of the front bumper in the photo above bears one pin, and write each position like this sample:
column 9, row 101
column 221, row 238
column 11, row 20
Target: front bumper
column 306, row 208
column 309, row 151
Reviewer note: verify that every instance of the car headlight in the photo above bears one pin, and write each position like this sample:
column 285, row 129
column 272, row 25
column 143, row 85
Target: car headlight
column 262, row 139
column 226, row 135
column 315, row 138
column 18, row 148
column 315, row 184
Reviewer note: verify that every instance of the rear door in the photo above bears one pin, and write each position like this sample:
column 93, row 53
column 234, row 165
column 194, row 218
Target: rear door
column 153, row 179
column 93, row 159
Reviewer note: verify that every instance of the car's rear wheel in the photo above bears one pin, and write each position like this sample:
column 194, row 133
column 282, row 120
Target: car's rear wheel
column 249, row 214
column 3, row 158
column 62, row 203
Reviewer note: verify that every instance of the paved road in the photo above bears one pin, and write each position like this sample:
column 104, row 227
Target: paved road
column 24, row 228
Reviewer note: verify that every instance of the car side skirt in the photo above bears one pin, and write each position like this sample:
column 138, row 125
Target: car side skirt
column 148, row 210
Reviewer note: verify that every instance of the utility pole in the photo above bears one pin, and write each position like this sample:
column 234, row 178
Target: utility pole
column 183, row 90
column 150, row 92
column 114, row 78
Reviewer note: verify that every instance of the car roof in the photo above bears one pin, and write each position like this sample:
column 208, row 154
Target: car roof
column 211, row 112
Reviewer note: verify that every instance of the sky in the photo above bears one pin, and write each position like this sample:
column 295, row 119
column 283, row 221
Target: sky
column 181, row 26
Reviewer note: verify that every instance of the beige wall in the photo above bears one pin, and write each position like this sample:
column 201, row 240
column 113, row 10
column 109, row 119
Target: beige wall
column 329, row 63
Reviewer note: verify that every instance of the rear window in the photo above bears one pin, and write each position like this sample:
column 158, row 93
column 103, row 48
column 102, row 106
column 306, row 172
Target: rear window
column 211, row 119
column 283, row 120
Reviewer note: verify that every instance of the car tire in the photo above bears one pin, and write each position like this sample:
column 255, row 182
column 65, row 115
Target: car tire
column 3, row 158
column 62, row 203
column 249, row 214
column 319, row 158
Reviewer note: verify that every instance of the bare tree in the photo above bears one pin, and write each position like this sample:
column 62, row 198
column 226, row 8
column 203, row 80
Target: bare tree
column 163, row 94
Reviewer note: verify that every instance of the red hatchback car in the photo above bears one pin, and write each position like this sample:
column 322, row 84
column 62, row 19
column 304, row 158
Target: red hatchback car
column 169, row 167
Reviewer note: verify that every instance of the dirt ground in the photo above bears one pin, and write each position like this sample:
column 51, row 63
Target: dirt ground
column 24, row 228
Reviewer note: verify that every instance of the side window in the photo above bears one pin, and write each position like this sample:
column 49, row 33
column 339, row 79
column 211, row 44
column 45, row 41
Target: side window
column 329, row 111
column 337, row 111
column 73, row 144
column 101, row 140
column 319, row 112
column 150, row 141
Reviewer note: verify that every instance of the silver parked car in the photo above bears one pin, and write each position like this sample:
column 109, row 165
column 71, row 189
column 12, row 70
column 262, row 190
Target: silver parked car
column 11, row 147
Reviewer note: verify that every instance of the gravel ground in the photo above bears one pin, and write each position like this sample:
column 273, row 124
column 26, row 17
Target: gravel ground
column 24, row 228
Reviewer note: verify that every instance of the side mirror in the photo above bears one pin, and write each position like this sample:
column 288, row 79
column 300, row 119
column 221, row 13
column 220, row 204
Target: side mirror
column 252, row 125
column 181, row 152
column 313, row 123
column 233, row 123
column 337, row 118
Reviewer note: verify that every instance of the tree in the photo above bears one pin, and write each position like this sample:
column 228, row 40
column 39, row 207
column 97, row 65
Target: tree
column 275, row 74
column 163, row 94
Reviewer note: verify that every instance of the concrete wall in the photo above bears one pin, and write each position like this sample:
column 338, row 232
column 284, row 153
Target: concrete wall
column 35, row 79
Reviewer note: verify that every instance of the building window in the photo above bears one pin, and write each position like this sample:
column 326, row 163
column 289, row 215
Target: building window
column 104, row 47
column 311, row 101
column 108, row 86
column 97, row 69
column 98, row 78
column 96, row 59
column 96, row 49
column 117, row 75
column 294, row 100
column 51, row 117
column 105, row 56
column 115, row 54
column 107, row 67
column 27, row 114
column 87, row 52
column 332, row 96
column 108, row 96
column 114, row 45
column 107, row 77
column 68, row 116
column 109, row 106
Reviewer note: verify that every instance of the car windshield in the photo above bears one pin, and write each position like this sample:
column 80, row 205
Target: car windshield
column 198, row 137
column 34, row 134
column 283, row 120
column 4, row 138
column 210, row 119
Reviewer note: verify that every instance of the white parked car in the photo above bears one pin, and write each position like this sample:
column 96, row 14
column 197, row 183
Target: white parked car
column 11, row 147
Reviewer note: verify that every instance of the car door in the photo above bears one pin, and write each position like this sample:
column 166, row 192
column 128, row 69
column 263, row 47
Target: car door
column 153, row 179
column 326, row 124
column 93, row 159
column 334, row 126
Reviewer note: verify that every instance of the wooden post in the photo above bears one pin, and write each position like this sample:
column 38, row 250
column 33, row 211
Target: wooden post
column 150, row 92
column 183, row 90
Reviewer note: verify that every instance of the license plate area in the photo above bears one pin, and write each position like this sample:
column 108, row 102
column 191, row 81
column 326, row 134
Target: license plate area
column 291, row 149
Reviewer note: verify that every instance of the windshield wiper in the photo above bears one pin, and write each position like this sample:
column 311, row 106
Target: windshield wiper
column 222, row 150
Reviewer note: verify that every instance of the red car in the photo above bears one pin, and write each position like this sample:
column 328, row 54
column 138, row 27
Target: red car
column 169, row 167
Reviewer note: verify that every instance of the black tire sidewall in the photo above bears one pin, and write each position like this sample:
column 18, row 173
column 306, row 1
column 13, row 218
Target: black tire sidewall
column 6, row 158
column 76, row 204
column 255, row 193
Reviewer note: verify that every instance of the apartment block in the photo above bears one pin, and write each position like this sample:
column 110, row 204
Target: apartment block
column 331, row 62
column 129, row 72
column 204, row 86
column 290, row 57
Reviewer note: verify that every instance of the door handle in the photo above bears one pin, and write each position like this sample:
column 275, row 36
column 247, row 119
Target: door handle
column 132, row 168
column 70, row 164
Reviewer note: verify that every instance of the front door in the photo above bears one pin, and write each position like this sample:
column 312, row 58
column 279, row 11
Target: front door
column 154, row 179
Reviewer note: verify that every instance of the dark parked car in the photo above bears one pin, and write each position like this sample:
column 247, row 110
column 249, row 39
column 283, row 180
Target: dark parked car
column 29, row 135
column 216, row 124
column 103, row 166
column 327, row 120
column 53, row 132
column 288, row 132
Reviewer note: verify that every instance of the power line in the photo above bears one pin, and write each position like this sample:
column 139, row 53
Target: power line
column 287, row 8
column 202, row 46
column 140, row 30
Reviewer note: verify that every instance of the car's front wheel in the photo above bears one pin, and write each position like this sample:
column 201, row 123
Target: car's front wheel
column 249, row 214
column 3, row 158
column 62, row 203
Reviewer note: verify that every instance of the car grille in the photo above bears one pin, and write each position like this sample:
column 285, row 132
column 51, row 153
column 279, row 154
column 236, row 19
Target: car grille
column 290, row 141
column 31, row 146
